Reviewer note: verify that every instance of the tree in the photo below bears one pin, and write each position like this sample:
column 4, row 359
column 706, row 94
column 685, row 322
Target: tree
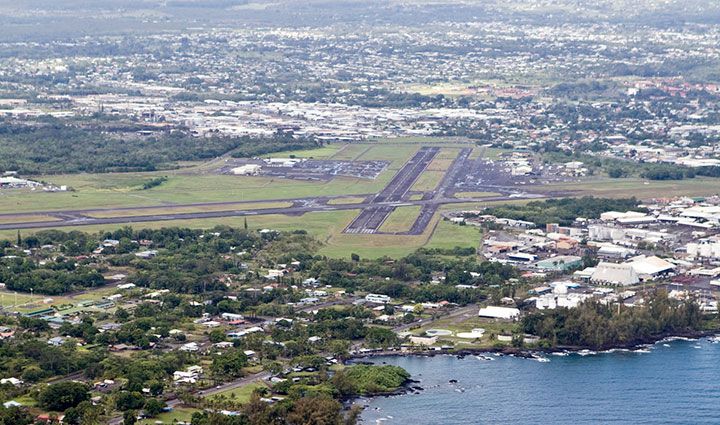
column 229, row 363
column 129, row 417
column 381, row 337
column 154, row 407
column 156, row 387
column 127, row 400
column 15, row 416
column 368, row 379
column 320, row 410
column 72, row 416
column 339, row 348
column 63, row 395
column 217, row 335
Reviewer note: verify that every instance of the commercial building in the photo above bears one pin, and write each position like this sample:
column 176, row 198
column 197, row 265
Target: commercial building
column 495, row 312
column 614, row 274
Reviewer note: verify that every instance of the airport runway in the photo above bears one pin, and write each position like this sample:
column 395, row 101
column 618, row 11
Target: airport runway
column 79, row 220
column 451, row 176
column 375, row 209
column 371, row 219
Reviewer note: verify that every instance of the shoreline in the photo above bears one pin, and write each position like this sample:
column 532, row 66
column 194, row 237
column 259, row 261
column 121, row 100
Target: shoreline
column 531, row 351
column 412, row 386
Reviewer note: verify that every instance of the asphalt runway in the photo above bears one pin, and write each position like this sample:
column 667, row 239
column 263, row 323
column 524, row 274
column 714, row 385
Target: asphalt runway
column 75, row 220
column 374, row 210
column 371, row 219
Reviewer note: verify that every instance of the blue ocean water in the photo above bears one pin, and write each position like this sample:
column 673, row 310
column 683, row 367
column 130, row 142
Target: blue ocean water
column 671, row 382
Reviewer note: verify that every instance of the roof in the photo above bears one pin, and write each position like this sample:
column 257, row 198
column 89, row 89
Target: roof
column 650, row 265
column 617, row 274
column 499, row 312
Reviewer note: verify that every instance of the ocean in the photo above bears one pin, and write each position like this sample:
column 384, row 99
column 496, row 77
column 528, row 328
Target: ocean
column 671, row 382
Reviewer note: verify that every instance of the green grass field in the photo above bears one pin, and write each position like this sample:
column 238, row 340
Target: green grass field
column 180, row 210
column 401, row 219
column 239, row 395
column 639, row 188
column 475, row 194
column 23, row 302
column 346, row 200
column 194, row 185
column 324, row 152
column 26, row 219
column 448, row 236
column 351, row 152
column 179, row 414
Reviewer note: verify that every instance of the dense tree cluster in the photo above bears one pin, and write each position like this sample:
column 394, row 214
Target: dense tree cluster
column 55, row 147
column 563, row 211
column 34, row 360
column 597, row 325
column 366, row 379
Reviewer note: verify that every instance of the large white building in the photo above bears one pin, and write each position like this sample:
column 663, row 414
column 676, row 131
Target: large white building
column 559, row 297
column 650, row 267
column 703, row 249
column 495, row 312
column 614, row 274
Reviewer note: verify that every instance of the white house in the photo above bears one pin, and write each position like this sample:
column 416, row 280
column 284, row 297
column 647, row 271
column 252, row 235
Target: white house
column 377, row 298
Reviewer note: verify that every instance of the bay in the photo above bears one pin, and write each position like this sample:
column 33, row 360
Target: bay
column 671, row 382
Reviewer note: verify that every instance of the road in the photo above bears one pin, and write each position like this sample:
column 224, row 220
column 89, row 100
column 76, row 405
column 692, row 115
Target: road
column 232, row 385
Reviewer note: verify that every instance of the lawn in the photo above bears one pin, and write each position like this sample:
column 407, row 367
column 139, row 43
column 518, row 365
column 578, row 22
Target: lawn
column 396, row 153
column 494, row 153
column 202, row 184
column 178, row 414
column 327, row 226
column 643, row 189
column 26, row 219
column 181, row 210
column 428, row 181
column 475, row 194
column 401, row 220
column 346, row 200
column 466, row 324
column 436, row 170
column 448, row 235
column 24, row 302
column 351, row 152
column 241, row 394
column 96, row 191
column 324, row 152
